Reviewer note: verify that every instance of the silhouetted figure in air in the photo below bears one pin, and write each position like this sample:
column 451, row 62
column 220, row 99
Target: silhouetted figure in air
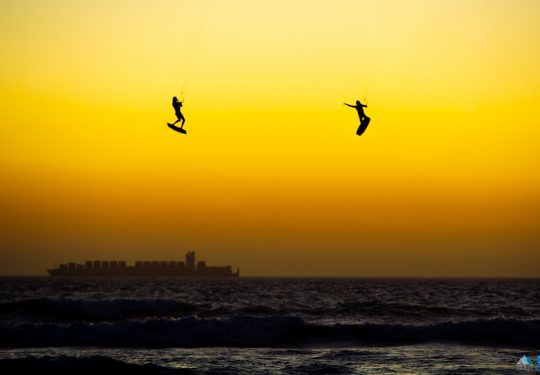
column 364, row 120
column 177, row 105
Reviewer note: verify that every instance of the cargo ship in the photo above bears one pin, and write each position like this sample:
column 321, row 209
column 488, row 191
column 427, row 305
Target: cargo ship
column 113, row 268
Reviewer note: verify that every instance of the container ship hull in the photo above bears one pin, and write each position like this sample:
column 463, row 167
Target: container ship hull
column 144, row 269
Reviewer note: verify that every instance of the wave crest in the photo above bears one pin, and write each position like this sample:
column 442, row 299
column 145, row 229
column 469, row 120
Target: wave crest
column 274, row 331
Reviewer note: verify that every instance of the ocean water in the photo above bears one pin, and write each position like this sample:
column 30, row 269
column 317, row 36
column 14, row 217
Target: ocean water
column 268, row 326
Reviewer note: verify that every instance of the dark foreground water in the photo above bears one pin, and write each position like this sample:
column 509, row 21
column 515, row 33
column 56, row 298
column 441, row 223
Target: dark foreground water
column 292, row 326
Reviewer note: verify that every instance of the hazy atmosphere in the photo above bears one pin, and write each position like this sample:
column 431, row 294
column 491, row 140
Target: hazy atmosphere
column 271, row 176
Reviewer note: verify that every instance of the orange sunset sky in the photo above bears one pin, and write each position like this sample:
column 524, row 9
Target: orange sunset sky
column 271, row 177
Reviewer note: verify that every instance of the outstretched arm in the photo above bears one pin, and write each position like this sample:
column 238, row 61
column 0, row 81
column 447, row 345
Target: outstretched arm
column 352, row 106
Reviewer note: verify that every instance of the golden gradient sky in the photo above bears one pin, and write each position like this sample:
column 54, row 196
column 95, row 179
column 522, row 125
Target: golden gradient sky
column 271, row 177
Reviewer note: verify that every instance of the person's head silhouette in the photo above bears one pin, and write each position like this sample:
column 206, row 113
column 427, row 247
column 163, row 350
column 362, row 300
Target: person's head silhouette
column 174, row 99
column 358, row 102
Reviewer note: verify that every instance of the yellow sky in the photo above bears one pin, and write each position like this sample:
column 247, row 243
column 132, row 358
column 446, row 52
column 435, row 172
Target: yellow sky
column 271, row 176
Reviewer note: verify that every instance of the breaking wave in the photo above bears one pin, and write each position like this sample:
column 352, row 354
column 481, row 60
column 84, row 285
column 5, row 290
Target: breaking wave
column 271, row 331
column 71, row 310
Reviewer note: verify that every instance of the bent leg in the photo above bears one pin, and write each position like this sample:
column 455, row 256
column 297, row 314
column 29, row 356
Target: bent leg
column 363, row 125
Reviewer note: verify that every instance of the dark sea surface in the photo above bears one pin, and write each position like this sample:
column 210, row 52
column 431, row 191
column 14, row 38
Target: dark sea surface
column 268, row 326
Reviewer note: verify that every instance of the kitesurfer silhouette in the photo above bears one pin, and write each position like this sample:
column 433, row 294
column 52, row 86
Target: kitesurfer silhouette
column 364, row 120
column 180, row 117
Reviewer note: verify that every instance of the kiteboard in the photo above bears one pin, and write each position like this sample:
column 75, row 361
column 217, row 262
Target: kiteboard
column 363, row 126
column 176, row 128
